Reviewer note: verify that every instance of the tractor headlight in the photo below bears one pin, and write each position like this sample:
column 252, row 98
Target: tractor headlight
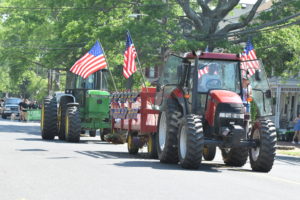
column 231, row 115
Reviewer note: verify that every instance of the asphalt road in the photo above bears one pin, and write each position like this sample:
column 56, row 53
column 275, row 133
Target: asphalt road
column 34, row 169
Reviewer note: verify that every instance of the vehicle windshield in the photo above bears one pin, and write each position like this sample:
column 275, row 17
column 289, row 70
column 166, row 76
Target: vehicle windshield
column 96, row 81
column 12, row 101
column 214, row 74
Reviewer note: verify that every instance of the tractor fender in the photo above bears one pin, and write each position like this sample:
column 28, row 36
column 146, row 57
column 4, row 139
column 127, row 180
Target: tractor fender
column 70, row 97
column 178, row 95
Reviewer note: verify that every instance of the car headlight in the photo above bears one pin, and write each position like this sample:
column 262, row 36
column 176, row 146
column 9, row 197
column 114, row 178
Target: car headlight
column 7, row 108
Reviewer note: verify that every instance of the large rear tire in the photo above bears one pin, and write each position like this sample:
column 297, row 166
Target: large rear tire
column 191, row 142
column 72, row 124
column 209, row 152
column 262, row 157
column 166, row 136
column 236, row 157
column 132, row 148
column 49, row 118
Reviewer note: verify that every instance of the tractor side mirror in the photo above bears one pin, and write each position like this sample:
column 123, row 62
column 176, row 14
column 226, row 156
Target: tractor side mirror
column 268, row 94
column 257, row 75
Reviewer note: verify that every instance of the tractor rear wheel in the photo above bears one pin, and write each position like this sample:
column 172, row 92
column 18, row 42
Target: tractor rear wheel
column 236, row 157
column 72, row 124
column 92, row 133
column 151, row 146
column 209, row 152
column 132, row 148
column 166, row 136
column 49, row 118
column 191, row 142
column 262, row 157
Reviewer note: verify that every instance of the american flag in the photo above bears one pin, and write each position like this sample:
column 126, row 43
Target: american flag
column 91, row 62
column 249, row 60
column 202, row 71
column 129, row 58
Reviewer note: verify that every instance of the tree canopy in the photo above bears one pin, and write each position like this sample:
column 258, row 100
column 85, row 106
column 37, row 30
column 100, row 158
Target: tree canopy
column 38, row 35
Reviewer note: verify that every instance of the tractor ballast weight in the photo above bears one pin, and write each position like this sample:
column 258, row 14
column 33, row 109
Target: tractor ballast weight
column 200, row 103
column 83, row 106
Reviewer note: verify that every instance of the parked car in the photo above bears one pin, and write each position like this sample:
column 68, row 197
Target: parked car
column 11, row 105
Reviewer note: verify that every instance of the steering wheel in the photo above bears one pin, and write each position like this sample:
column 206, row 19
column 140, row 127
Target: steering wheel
column 213, row 83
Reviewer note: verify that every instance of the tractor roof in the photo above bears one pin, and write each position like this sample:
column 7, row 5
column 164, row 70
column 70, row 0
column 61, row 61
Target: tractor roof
column 215, row 56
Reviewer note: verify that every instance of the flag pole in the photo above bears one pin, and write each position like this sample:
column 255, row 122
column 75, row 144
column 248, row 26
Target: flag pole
column 113, row 80
column 139, row 64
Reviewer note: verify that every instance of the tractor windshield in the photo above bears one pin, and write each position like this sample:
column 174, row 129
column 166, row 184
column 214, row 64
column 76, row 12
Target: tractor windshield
column 96, row 81
column 218, row 74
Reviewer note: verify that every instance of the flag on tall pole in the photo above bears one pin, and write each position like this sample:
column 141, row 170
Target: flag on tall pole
column 249, row 60
column 129, row 58
column 91, row 62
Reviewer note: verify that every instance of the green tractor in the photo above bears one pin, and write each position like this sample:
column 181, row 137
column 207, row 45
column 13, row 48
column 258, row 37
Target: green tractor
column 84, row 106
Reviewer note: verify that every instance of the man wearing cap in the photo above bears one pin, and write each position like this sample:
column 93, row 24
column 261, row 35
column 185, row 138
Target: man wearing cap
column 209, row 80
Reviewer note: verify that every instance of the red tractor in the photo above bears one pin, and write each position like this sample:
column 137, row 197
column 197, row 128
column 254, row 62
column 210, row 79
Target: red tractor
column 199, row 99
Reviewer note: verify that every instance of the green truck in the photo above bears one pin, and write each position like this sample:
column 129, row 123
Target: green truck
column 83, row 107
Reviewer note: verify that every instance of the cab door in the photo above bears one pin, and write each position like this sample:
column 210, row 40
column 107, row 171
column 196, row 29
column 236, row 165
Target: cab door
column 169, row 79
column 260, row 86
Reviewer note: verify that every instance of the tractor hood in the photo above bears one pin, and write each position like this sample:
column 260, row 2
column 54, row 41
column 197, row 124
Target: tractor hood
column 225, row 96
column 98, row 92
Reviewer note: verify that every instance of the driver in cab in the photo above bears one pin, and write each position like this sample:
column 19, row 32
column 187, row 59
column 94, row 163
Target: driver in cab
column 209, row 80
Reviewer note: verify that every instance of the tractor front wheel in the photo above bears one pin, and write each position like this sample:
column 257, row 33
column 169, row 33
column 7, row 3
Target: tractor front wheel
column 262, row 156
column 62, row 110
column 72, row 124
column 236, row 157
column 191, row 142
column 209, row 152
column 49, row 119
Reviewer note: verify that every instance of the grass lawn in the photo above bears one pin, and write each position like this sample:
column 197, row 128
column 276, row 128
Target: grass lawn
column 295, row 152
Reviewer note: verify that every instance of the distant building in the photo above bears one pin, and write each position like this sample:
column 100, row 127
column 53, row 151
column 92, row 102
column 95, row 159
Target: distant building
column 286, row 104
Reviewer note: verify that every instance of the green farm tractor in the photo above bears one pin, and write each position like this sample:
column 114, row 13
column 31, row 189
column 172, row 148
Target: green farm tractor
column 84, row 106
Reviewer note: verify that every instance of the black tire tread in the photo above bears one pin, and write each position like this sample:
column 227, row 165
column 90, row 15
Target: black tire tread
column 265, row 160
column 210, row 153
column 74, row 124
column 236, row 157
column 195, row 142
column 50, row 119
column 170, row 151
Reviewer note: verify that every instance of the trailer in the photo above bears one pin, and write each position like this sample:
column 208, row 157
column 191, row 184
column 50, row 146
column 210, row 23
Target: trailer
column 132, row 113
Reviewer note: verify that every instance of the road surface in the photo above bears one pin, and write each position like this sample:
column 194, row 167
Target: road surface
column 35, row 169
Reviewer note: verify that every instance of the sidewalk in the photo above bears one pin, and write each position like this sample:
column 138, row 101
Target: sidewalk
column 287, row 148
column 287, row 145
